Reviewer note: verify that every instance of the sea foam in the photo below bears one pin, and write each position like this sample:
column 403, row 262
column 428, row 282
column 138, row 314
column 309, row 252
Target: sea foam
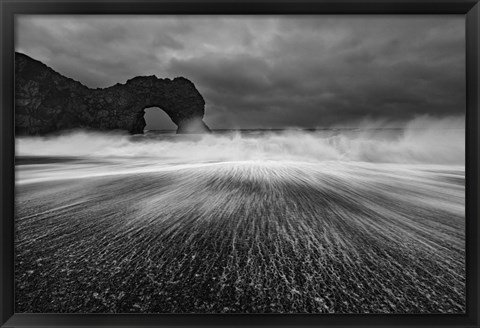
column 424, row 140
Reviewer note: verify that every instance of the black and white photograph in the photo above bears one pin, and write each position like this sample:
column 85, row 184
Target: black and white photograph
column 254, row 164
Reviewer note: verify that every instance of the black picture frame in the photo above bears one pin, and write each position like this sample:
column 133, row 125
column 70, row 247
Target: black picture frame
column 10, row 8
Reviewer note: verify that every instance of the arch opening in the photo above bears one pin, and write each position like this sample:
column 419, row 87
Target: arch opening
column 157, row 120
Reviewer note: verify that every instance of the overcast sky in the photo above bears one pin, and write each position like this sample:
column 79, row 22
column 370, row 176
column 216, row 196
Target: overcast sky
column 262, row 71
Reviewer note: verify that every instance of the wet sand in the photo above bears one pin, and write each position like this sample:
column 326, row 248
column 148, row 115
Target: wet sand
column 240, row 237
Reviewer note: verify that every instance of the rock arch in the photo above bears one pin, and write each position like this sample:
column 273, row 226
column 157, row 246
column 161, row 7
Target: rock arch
column 46, row 101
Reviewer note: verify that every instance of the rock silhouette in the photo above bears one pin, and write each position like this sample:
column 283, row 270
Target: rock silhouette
column 46, row 102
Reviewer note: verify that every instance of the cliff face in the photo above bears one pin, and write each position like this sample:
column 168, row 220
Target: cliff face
column 46, row 101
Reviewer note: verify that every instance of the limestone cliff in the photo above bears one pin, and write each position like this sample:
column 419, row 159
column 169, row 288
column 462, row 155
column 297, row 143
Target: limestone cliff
column 46, row 101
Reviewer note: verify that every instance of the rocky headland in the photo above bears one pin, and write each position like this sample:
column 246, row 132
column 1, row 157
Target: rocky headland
column 47, row 102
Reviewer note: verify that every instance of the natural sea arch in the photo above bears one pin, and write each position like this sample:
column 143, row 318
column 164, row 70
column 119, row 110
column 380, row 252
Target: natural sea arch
column 46, row 102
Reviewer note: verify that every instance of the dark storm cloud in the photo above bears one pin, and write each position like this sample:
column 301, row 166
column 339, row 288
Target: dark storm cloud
column 270, row 71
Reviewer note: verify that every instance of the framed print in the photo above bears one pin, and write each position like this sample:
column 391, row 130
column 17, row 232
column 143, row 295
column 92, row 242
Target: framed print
column 240, row 164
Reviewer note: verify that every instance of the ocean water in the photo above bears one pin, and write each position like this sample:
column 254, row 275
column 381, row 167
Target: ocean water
column 362, row 220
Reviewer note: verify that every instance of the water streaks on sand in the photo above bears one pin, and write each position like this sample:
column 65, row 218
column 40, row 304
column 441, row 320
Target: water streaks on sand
column 243, row 236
